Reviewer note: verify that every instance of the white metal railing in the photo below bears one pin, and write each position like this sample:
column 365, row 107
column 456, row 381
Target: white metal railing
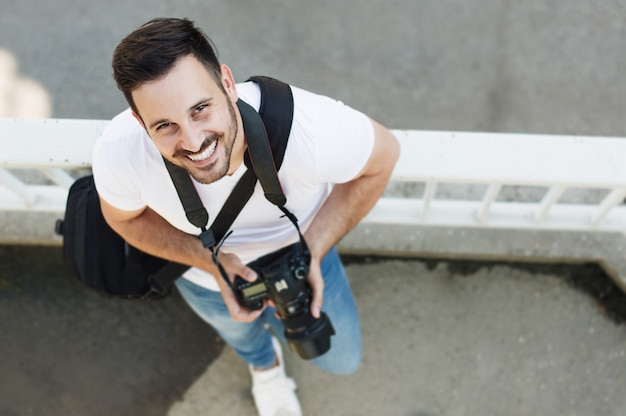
column 555, row 163
column 51, row 146
column 432, row 159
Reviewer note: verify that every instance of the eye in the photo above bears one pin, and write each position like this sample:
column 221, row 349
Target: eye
column 163, row 126
column 200, row 108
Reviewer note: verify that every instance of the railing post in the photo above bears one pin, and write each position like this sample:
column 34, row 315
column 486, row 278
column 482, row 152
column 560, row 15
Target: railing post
column 59, row 176
column 612, row 199
column 548, row 200
column 429, row 193
column 490, row 196
column 17, row 186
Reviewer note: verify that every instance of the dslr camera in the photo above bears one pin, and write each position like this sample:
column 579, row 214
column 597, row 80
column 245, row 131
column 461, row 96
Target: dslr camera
column 282, row 277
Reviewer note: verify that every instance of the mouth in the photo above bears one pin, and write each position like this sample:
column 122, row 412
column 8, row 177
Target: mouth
column 205, row 154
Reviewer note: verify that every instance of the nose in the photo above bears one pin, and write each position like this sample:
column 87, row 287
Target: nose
column 191, row 138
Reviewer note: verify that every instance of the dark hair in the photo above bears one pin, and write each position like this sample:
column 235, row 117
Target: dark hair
column 152, row 50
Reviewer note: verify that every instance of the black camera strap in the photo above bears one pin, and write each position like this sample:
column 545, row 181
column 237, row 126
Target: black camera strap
column 261, row 163
column 267, row 136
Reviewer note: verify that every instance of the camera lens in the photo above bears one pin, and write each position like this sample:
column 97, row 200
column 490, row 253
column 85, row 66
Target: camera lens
column 313, row 340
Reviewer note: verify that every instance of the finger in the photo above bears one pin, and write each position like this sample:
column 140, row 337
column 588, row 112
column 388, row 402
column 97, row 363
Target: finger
column 234, row 267
column 247, row 274
column 238, row 312
column 317, row 297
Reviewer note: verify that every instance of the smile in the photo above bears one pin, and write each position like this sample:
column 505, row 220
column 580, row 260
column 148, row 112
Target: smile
column 197, row 157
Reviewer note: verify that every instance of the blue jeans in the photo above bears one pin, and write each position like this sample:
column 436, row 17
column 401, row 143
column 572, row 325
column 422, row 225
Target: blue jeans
column 252, row 341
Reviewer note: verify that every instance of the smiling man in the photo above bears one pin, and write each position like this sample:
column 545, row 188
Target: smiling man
column 202, row 138
column 183, row 108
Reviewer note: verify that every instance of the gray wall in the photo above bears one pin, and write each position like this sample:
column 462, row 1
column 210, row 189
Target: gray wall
column 482, row 65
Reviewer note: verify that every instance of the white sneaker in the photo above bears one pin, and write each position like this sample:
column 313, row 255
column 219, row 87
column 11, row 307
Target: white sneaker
column 274, row 392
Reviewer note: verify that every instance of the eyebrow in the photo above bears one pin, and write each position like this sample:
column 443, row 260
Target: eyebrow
column 156, row 123
column 207, row 101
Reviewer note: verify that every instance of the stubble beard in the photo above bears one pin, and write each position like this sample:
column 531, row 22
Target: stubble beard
column 220, row 167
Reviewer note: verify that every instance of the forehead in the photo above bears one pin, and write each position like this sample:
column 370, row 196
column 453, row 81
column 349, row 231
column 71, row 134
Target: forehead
column 185, row 84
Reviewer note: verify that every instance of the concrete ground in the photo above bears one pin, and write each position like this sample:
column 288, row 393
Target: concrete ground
column 446, row 338
column 440, row 337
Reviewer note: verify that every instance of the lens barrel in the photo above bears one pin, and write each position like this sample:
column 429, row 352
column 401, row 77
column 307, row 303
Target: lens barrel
column 313, row 340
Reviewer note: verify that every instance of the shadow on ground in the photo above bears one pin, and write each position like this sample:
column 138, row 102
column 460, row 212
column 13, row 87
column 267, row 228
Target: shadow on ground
column 67, row 350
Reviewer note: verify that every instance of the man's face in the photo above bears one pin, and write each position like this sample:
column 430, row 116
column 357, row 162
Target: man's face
column 192, row 120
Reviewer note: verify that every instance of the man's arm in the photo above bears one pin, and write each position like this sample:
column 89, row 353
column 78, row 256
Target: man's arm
column 149, row 232
column 347, row 204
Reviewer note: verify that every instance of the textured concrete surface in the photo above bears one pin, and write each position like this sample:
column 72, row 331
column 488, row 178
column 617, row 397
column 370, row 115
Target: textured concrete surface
column 440, row 337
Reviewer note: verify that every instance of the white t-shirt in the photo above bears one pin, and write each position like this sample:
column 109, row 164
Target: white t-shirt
column 329, row 143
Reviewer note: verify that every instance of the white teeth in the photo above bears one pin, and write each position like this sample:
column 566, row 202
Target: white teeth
column 204, row 155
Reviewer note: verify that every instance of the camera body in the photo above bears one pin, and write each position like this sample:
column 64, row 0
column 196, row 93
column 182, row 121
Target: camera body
column 282, row 277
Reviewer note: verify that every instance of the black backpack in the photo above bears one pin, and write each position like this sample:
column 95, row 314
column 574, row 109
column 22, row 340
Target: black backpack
column 102, row 260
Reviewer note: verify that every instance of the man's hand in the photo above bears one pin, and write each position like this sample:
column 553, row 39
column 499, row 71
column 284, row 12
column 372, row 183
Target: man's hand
column 232, row 266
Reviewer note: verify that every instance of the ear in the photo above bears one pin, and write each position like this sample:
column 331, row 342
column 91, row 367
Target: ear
column 228, row 82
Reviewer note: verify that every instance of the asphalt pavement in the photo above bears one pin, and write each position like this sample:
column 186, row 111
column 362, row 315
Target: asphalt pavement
column 441, row 337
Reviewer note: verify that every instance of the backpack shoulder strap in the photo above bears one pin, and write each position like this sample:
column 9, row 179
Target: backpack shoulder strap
column 267, row 133
column 277, row 113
